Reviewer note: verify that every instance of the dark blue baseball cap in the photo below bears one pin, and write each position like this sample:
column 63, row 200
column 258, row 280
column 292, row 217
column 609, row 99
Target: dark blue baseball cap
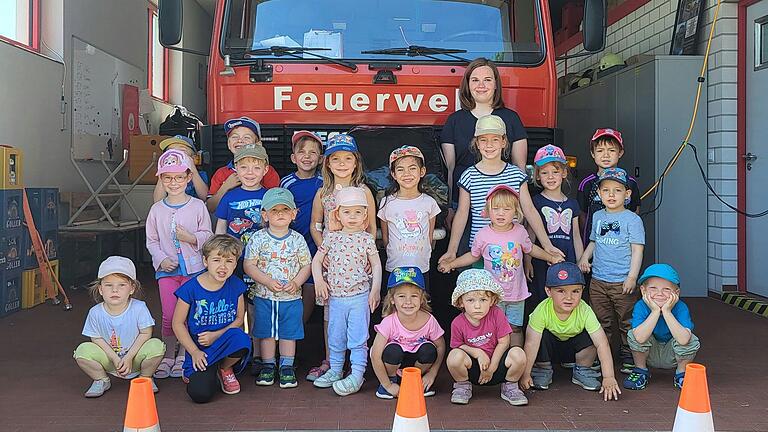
column 406, row 275
column 250, row 123
column 340, row 142
column 564, row 273
column 664, row 271
column 615, row 174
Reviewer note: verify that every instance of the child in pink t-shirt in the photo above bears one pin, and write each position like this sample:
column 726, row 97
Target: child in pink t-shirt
column 408, row 335
column 480, row 348
column 501, row 245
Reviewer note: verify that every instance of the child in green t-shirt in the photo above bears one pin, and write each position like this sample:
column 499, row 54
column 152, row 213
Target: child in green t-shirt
column 562, row 326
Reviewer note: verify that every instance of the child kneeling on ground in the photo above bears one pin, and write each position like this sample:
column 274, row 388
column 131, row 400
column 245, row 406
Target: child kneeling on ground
column 661, row 334
column 480, row 341
column 564, row 326
column 208, row 320
column 120, row 328
column 408, row 335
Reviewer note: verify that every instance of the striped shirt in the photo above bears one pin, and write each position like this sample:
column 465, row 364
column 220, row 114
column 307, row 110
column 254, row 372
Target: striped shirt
column 477, row 184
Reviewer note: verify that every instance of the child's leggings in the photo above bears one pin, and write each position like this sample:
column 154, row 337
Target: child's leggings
column 168, row 286
column 348, row 330
column 90, row 351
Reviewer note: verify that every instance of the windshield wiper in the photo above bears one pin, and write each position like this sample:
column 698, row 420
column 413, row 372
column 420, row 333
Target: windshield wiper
column 279, row 51
column 420, row 51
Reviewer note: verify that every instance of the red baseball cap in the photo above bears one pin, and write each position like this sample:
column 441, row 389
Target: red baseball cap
column 499, row 187
column 613, row 133
column 305, row 134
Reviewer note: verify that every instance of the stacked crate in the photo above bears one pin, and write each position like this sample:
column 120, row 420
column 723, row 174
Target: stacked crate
column 11, row 231
column 44, row 206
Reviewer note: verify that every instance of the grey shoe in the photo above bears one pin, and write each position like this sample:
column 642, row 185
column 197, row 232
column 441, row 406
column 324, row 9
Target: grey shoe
column 327, row 379
column 587, row 378
column 511, row 393
column 97, row 388
column 154, row 386
column 542, row 377
column 462, row 393
column 346, row 386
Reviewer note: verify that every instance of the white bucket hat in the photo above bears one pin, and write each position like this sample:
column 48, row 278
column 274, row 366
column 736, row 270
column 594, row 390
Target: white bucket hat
column 475, row 280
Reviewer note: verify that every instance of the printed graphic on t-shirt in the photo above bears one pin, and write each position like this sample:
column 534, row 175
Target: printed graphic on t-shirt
column 603, row 229
column 505, row 262
column 409, row 225
column 480, row 340
column 216, row 313
column 557, row 220
column 114, row 342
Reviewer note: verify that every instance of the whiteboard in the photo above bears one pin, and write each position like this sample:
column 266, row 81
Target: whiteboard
column 97, row 77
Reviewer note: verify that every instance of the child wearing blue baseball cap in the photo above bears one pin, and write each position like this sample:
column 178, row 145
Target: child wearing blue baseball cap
column 617, row 239
column 563, row 326
column 408, row 335
column 661, row 334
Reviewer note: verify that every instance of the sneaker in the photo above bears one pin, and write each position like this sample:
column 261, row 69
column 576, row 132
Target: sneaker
column 462, row 393
column 327, row 379
column 229, row 383
column 256, row 366
column 638, row 379
column 288, row 377
column 348, row 385
column 318, row 371
column 266, row 375
column 542, row 377
column 382, row 393
column 678, row 380
column 587, row 378
column 511, row 393
column 627, row 362
column 429, row 392
column 97, row 388
column 567, row 365
column 154, row 386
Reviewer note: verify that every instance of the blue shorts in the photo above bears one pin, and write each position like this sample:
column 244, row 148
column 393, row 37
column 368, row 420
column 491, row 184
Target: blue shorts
column 514, row 311
column 278, row 319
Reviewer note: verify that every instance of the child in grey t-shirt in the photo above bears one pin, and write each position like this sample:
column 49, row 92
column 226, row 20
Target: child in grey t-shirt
column 616, row 246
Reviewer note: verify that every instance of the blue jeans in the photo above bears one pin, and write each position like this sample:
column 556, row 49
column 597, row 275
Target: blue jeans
column 348, row 330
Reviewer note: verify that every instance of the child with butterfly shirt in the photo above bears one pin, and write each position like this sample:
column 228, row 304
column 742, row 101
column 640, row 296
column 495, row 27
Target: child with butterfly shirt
column 559, row 214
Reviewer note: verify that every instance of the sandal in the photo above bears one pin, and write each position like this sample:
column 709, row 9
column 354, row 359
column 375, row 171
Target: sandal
column 178, row 367
column 318, row 371
column 163, row 369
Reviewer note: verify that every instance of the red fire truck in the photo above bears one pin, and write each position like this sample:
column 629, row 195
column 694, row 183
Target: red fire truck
column 330, row 65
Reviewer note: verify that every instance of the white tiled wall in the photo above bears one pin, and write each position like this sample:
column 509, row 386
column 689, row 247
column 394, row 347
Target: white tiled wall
column 648, row 30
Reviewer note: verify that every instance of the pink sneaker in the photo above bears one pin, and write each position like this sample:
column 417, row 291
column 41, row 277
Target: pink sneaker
column 229, row 383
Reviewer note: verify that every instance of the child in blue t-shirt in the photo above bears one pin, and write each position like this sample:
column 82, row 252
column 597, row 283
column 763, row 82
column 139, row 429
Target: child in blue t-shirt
column 208, row 319
column 661, row 334
column 304, row 184
column 616, row 239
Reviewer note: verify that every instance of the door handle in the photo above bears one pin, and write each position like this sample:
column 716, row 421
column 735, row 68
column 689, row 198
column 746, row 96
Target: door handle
column 750, row 157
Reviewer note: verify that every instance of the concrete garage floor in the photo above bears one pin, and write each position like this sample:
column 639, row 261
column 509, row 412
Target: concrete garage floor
column 42, row 387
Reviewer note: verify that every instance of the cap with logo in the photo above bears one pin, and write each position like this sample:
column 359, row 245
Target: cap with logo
column 117, row 264
column 564, row 273
column 172, row 161
column 248, row 122
column 475, row 280
column 613, row 133
column 305, row 134
column 664, row 271
column 277, row 196
column 252, row 150
column 490, row 124
column 615, row 174
column 405, row 151
column 549, row 153
column 340, row 142
column 406, row 275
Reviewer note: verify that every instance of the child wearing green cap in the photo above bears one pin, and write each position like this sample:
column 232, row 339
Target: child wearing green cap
column 661, row 334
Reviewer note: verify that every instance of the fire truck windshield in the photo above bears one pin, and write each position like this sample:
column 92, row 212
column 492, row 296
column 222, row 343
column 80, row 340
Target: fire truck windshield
column 506, row 31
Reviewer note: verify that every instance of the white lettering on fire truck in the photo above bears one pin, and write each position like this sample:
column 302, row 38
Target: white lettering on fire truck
column 360, row 102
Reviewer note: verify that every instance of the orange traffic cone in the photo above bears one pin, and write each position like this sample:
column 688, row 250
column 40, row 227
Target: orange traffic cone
column 693, row 411
column 141, row 413
column 411, row 414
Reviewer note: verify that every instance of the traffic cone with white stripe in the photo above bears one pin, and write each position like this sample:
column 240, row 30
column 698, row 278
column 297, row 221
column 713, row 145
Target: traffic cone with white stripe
column 693, row 411
column 411, row 414
column 141, row 413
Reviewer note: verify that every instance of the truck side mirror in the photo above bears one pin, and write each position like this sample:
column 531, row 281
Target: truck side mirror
column 593, row 26
column 171, row 16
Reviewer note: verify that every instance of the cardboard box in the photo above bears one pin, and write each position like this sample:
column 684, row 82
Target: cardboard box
column 11, row 250
column 10, row 292
column 50, row 240
column 44, row 205
column 33, row 292
column 11, row 208
column 140, row 154
column 11, row 163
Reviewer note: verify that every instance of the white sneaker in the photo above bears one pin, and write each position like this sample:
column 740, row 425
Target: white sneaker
column 327, row 379
column 97, row 388
column 347, row 386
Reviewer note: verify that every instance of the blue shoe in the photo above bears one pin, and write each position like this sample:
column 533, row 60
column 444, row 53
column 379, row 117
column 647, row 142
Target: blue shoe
column 288, row 377
column 637, row 379
column 679, row 377
column 382, row 393
column 266, row 375
column 542, row 377
column 587, row 378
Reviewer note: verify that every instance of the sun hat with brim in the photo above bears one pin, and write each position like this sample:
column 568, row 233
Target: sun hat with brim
column 351, row 196
column 562, row 274
column 172, row 161
column 340, row 142
column 117, row 264
column 490, row 124
column 252, row 150
column 475, row 280
column 406, row 275
column 247, row 122
column 277, row 196
column 178, row 139
column 549, row 153
column 664, row 271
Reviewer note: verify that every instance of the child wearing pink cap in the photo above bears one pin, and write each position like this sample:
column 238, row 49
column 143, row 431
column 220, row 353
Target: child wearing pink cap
column 501, row 245
column 177, row 226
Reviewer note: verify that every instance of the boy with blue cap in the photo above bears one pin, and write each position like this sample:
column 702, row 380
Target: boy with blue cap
column 564, row 326
column 661, row 334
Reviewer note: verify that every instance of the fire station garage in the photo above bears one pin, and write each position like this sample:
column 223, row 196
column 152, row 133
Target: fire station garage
column 204, row 223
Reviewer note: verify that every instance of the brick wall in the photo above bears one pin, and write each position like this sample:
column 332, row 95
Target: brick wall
column 648, row 30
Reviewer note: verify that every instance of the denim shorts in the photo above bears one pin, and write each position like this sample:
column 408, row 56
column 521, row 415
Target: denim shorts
column 514, row 311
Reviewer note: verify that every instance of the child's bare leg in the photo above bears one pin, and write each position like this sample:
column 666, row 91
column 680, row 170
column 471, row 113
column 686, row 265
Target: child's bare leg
column 458, row 363
column 515, row 363
column 229, row 362
column 516, row 337
column 149, row 365
column 308, row 297
column 641, row 359
column 681, row 363
column 287, row 348
column 392, row 369
column 586, row 357
column 95, row 370
column 267, row 348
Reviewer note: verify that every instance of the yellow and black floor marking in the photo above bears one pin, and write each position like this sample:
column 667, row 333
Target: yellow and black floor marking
column 747, row 303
